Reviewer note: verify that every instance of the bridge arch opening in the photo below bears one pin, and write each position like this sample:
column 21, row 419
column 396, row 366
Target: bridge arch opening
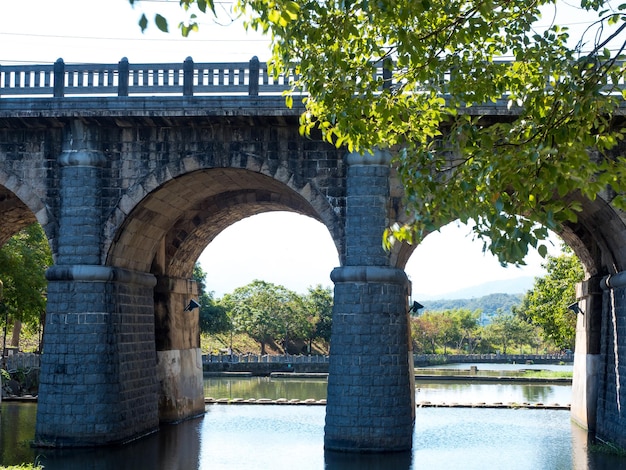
column 450, row 261
column 24, row 295
column 598, row 239
column 280, row 247
column 164, row 235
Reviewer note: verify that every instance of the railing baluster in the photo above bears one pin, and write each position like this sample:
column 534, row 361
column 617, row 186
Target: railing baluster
column 191, row 79
column 253, row 80
column 122, row 77
column 59, row 78
column 187, row 77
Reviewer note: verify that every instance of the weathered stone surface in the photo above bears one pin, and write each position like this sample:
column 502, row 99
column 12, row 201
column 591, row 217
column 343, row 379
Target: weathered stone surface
column 180, row 373
column 130, row 190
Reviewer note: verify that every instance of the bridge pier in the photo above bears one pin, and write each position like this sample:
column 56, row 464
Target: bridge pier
column 98, row 381
column 371, row 392
column 611, row 409
column 587, row 358
column 179, row 357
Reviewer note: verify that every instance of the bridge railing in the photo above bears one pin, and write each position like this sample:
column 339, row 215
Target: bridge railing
column 188, row 79
column 124, row 79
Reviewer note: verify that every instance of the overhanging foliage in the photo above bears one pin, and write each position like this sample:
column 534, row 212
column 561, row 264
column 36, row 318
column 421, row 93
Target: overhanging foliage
column 443, row 60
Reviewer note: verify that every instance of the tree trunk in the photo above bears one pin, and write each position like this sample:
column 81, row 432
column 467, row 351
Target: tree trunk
column 15, row 335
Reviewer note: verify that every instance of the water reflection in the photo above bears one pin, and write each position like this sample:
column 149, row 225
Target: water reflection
column 173, row 447
column 441, row 392
column 343, row 461
column 17, row 428
column 264, row 387
column 287, row 437
column 472, row 392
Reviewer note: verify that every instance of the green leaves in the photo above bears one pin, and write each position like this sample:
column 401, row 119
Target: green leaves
column 185, row 28
column 161, row 22
column 413, row 76
column 267, row 311
column 546, row 303
column 23, row 263
column 143, row 22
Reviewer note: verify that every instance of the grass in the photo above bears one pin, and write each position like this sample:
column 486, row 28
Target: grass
column 548, row 374
column 241, row 344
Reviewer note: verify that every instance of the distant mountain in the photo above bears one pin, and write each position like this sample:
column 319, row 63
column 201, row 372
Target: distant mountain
column 488, row 304
column 519, row 285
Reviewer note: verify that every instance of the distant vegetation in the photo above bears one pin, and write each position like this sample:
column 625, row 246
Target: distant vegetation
column 268, row 318
column 537, row 322
column 489, row 305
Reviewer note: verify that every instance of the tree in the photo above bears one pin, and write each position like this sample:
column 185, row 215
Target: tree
column 546, row 303
column 213, row 316
column 23, row 263
column 468, row 328
column 319, row 306
column 435, row 329
column 423, row 334
column 507, row 328
column 411, row 76
column 266, row 311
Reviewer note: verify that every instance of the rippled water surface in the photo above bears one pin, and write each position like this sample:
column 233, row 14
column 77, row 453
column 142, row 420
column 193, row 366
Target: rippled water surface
column 259, row 437
column 277, row 437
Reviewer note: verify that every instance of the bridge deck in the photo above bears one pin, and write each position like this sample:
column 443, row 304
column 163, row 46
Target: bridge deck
column 184, row 89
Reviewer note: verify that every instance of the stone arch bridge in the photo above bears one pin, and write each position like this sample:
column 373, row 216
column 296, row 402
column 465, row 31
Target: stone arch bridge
column 133, row 169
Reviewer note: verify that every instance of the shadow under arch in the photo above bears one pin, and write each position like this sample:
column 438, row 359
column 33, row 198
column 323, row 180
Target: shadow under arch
column 167, row 231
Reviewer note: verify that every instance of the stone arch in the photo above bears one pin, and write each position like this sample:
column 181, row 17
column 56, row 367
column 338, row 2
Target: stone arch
column 598, row 238
column 177, row 220
column 20, row 207
column 164, row 234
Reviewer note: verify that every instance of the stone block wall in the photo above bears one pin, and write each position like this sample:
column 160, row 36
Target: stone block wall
column 98, row 382
column 370, row 373
column 611, row 410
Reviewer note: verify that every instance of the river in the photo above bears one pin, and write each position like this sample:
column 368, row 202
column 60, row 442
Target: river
column 277, row 437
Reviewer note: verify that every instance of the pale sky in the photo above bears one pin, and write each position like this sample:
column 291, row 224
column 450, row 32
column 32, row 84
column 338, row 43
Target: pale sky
column 297, row 252
column 301, row 253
